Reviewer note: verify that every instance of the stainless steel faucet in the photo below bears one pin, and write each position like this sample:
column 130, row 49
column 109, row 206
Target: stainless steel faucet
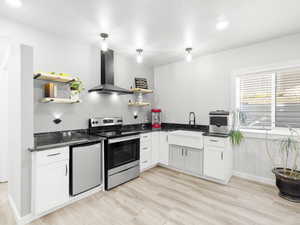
column 192, row 121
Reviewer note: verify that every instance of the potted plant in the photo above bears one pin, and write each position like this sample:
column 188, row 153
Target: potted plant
column 236, row 136
column 284, row 157
column 76, row 87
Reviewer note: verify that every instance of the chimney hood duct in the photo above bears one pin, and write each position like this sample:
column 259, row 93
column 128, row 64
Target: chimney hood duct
column 107, row 76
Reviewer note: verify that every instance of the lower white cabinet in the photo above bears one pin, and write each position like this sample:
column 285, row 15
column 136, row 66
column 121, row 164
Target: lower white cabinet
column 186, row 159
column 145, row 151
column 218, row 158
column 50, row 179
column 163, row 148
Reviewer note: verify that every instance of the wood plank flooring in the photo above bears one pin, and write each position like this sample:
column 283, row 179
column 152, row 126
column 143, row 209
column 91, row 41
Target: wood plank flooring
column 165, row 197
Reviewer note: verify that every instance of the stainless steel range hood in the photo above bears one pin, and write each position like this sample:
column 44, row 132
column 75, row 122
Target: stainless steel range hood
column 107, row 76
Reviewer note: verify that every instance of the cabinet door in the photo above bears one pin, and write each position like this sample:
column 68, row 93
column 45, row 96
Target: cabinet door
column 155, row 147
column 214, row 166
column 52, row 185
column 163, row 148
column 177, row 157
column 194, row 160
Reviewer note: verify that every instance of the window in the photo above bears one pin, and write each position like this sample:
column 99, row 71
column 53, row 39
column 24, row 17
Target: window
column 268, row 100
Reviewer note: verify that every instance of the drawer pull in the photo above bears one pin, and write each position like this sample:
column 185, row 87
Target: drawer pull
column 212, row 140
column 145, row 161
column 54, row 154
column 145, row 148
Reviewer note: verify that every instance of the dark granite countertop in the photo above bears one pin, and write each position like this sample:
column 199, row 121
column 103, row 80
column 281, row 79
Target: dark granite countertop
column 45, row 141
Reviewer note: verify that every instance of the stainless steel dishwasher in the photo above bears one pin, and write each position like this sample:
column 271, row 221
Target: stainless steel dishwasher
column 85, row 167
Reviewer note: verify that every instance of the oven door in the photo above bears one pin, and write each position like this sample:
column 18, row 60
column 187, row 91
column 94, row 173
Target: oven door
column 123, row 150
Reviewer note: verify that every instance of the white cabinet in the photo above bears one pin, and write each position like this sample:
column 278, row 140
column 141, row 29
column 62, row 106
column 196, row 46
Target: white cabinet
column 186, row 159
column 155, row 147
column 145, row 151
column 163, row 148
column 218, row 158
column 194, row 161
column 50, row 179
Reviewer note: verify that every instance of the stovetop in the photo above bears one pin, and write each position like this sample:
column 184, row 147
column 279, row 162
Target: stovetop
column 115, row 133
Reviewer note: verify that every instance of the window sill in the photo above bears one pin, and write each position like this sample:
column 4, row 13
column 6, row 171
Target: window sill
column 275, row 133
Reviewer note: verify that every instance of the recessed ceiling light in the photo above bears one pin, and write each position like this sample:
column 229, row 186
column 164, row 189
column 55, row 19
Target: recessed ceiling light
column 14, row 3
column 139, row 56
column 188, row 56
column 104, row 44
column 222, row 24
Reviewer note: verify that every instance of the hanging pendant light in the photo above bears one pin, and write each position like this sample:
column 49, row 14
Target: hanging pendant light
column 104, row 44
column 139, row 56
column 188, row 56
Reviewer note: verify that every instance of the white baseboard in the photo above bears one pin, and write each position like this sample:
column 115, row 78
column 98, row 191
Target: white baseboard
column 251, row 177
column 31, row 217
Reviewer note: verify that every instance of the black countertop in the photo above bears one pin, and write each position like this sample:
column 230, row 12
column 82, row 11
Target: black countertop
column 44, row 141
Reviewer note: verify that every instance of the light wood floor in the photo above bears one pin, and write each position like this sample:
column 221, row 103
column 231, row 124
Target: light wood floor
column 164, row 197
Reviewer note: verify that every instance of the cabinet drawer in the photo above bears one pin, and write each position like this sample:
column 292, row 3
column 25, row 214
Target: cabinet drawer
column 213, row 141
column 145, row 159
column 145, row 137
column 52, row 155
column 145, row 146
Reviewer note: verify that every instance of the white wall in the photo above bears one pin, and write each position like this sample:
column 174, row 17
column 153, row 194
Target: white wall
column 205, row 83
column 4, row 51
column 56, row 54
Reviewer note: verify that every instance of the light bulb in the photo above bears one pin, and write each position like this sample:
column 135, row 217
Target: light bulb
column 222, row 25
column 14, row 3
column 104, row 44
column 188, row 56
column 139, row 56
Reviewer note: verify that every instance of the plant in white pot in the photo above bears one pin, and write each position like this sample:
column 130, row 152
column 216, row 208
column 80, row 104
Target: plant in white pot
column 284, row 154
column 76, row 87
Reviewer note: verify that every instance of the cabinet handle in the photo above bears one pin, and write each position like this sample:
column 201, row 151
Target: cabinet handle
column 186, row 153
column 167, row 139
column 54, row 154
column 181, row 152
column 222, row 155
column 145, row 148
column 66, row 169
column 212, row 140
column 145, row 161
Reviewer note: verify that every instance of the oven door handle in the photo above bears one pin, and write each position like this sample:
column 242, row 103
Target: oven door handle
column 127, row 138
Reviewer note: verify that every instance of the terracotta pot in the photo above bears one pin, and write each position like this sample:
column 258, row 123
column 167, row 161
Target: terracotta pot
column 289, row 187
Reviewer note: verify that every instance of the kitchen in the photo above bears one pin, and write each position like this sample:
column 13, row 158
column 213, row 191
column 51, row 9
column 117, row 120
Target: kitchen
column 177, row 87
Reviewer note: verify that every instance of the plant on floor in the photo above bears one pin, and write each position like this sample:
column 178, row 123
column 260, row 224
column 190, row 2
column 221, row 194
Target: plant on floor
column 284, row 154
column 236, row 136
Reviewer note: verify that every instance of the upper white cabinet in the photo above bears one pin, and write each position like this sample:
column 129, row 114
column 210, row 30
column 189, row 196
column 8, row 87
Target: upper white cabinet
column 163, row 148
column 50, row 179
column 218, row 159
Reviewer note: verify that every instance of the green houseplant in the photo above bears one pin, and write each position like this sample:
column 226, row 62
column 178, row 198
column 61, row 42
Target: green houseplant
column 236, row 136
column 76, row 87
column 284, row 155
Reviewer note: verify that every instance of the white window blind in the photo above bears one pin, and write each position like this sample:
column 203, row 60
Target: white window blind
column 288, row 99
column 255, row 93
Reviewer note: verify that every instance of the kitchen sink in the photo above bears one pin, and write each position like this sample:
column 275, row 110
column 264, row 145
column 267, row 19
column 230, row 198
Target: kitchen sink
column 193, row 139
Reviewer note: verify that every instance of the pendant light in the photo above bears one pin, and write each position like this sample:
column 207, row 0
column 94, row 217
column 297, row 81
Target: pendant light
column 104, row 44
column 139, row 56
column 188, row 56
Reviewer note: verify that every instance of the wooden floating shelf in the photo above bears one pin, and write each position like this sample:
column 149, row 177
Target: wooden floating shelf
column 55, row 78
column 141, row 90
column 60, row 100
column 138, row 104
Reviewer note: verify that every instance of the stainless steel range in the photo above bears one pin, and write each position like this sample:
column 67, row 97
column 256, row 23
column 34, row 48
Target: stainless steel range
column 121, row 150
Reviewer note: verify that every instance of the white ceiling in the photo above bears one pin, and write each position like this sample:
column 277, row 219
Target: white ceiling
column 163, row 28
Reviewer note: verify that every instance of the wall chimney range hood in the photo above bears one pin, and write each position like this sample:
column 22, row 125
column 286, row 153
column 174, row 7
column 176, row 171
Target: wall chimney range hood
column 107, row 76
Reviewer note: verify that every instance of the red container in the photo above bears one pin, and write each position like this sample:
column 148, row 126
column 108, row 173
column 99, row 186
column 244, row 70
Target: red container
column 156, row 118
